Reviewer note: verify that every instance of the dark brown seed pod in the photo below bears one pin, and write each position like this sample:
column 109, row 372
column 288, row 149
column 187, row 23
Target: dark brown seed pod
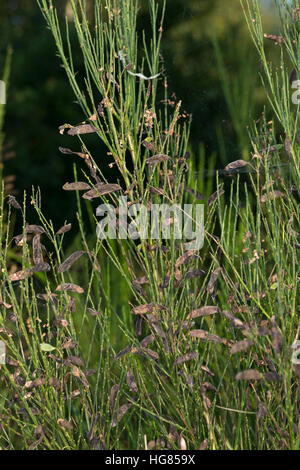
column 185, row 358
column 241, row 346
column 101, row 190
column 130, row 379
column 64, row 229
column 250, row 374
column 203, row 311
column 236, row 165
column 120, row 413
column 70, row 288
column 77, row 186
column 215, row 196
column 66, row 265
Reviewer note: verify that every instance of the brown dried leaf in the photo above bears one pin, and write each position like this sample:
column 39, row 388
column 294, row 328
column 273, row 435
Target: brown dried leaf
column 272, row 196
column 202, row 312
column 186, row 357
column 235, row 165
column 120, row 413
column 157, row 159
column 215, row 196
column 13, row 202
column 131, row 381
column 70, row 260
column 213, row 279
column 113, row 395
column 250, row 374
column 147, row 308
column 64, row 229
column 70, row 288
column 205, row 336
column 277, row 339
column 93, row 312
column 101, row 190
column 147, row 341
column 194, row 274
column 63, row 423
column 186, row 257
column 77, row 186
column 241, row 346
column 36, row 247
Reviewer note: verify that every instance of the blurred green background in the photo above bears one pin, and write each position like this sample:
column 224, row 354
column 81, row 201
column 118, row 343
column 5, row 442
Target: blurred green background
column 210, row 61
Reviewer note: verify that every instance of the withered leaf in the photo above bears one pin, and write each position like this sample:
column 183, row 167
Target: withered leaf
column 77, row 186
column 93, row 312
column 186, row 357
column 147, row 341
column 34, row 229
column 41, row 268
column 120, row 413
column 272, row 377
column 147, row 308
column 139, row 281
column 63, row 423
column 274, row 38
column 13, row 202
column 69, row 344
column 193, row 274
column 70, row 260
column 64, row 229
column 157, row 159
column 36, row 247
column 215, row 196
column 146, row 351
column 35, row 383
column 186, row 257
column 73, row 361
column 203, row 311
column 241, row 346
column 113, row 395
column 250, row 374
column 124, row 351
column 70, row 287
column 101, row 190
column 271, row 196
column 20, row 275
column 277, row 340
column 213, row 278
column 235, row 165
column 195, row 193
column 131, row 381
column 205, row 336
column 81, row 129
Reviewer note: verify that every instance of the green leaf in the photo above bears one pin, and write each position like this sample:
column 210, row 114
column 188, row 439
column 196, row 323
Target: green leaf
column 46, row 347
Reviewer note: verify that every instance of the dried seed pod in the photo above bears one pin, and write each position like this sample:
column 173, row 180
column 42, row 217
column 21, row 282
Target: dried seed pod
column 64, row 229
column 113, row 395
column 93, row 313
column 241, row 346
column 213, row 279
column 202, row 312
column 131, row 381
column 215, row 196
column 13, row 202
column 63, row 423
column 77, row 186
column 236, row 165
column 186, row 357
column 70, row 288
column 147, row 341
column 120, row 413
column 157, row 159
column 65, row 266
column 205, row 336
column 250, row 374
column 101, row 190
